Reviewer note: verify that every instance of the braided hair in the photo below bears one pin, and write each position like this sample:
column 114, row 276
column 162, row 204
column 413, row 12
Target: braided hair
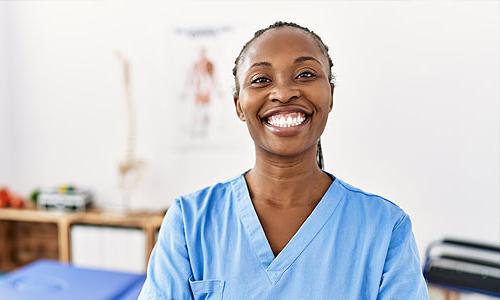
column 316, row 38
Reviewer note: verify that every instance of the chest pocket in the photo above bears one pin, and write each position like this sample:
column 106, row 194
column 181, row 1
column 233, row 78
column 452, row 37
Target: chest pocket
column 207, row 289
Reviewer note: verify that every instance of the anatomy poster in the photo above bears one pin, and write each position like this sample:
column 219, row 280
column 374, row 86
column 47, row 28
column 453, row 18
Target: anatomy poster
column 203, row 93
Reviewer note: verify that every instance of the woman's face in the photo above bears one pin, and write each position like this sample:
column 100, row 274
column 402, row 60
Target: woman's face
column 285, row 95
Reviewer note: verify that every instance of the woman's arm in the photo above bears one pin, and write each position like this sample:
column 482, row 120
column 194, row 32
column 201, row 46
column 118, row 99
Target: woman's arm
column 169, row 269
column 402, row 277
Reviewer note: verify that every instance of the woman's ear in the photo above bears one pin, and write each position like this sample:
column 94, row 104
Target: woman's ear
column 332, row 88
column 239, row 111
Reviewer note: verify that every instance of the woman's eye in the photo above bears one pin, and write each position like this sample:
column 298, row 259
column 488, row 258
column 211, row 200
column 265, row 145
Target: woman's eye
column 306, row 74
column 260, row 80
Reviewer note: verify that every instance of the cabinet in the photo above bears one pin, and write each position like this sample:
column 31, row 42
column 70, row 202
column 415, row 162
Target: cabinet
column 27, row 235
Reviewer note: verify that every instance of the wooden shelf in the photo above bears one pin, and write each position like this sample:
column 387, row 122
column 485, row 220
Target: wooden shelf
column 10, row 218
column 32, row 215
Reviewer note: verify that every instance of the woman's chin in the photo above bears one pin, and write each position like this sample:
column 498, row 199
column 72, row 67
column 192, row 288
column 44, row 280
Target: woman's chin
column 289, row 151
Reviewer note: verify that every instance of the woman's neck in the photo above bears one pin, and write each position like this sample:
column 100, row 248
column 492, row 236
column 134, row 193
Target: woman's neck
column 287, row 182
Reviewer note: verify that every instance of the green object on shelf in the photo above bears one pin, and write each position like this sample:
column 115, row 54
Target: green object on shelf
column 34, row 196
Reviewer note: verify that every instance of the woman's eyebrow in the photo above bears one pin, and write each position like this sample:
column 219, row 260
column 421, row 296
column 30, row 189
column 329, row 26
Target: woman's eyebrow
column 262, row 63
column 305, row 58
column 296, row 61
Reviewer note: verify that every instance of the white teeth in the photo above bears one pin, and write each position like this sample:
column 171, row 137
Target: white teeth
column 288, row 121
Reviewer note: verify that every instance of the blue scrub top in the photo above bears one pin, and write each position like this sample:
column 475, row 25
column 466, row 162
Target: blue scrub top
column 354, row 245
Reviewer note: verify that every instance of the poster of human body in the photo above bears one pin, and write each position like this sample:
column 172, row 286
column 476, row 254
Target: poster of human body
column 202, row 90
column 204, row 94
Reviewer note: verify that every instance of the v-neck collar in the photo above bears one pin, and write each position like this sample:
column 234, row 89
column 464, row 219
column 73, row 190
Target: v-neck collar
column 276, row 266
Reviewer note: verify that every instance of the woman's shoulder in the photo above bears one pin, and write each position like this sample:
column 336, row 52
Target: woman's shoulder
column 368, row 203
column 208, row 198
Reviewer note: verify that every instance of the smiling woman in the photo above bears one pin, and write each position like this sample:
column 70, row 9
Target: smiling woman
column 313, row 73
column 285, row 229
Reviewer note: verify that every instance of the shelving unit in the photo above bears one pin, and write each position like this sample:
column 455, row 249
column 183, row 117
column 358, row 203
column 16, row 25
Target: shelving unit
column 27, row 235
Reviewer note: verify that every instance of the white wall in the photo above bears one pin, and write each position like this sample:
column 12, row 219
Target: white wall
column 416, row 115
column 5, row 129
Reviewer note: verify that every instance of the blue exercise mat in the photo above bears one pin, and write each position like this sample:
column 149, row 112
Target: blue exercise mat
column 134, row 291
column 46, row 279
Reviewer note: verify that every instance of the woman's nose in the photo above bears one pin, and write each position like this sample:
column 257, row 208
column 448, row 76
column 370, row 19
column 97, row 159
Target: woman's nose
column 284, row 92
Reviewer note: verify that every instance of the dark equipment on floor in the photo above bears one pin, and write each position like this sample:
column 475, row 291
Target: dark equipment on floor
column 464, row 266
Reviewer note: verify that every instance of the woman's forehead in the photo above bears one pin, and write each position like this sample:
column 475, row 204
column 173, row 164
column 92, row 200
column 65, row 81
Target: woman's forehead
column 282, row 45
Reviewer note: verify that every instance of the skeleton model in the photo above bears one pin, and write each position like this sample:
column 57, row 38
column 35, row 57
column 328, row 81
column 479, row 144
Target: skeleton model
column 130, row 169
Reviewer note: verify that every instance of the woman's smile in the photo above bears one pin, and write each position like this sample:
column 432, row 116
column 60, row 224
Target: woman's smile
column 286, row 121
